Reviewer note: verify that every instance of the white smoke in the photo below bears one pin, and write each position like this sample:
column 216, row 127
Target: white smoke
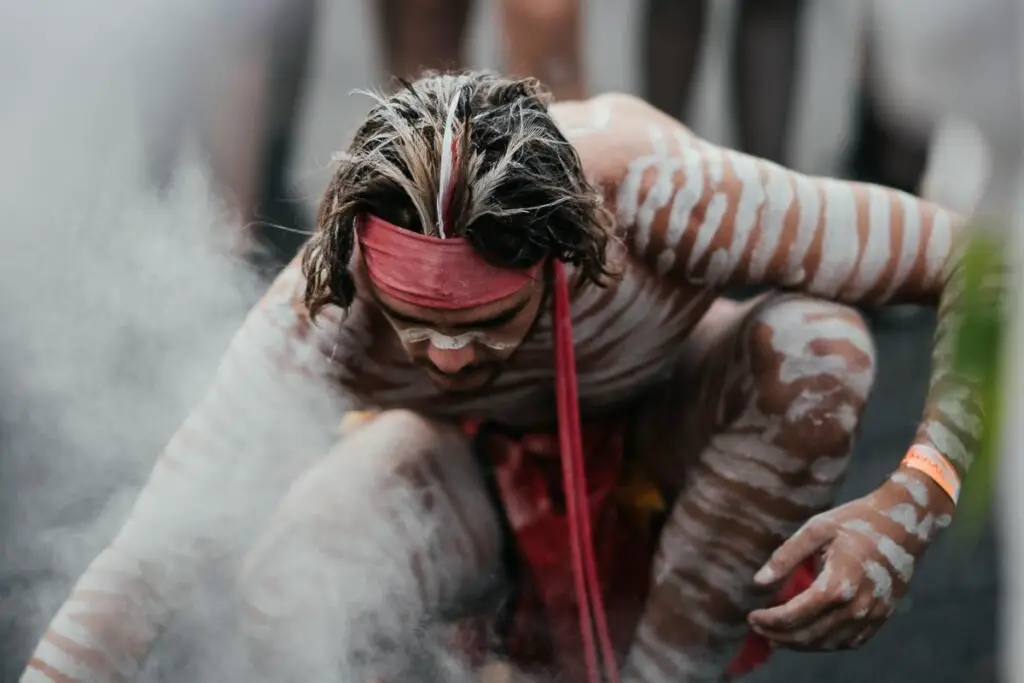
column 116, row 302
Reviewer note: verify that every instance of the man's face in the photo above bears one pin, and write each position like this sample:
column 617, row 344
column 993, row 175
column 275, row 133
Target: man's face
column 464, row 349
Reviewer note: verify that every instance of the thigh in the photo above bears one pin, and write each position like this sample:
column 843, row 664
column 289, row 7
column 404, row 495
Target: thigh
column 757, row 430
column 796, row 368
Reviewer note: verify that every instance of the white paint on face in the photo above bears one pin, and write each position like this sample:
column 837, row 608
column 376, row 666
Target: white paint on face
column 444, row 342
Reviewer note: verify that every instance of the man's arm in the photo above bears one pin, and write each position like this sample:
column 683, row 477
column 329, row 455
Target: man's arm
column 709, row 216
column 270, row 408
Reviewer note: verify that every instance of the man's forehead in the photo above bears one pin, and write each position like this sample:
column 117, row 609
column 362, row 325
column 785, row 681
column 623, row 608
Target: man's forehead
column 488, row 315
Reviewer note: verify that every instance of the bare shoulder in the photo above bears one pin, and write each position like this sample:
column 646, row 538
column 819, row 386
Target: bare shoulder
column 285, row 296
column 612, row 130
column 282, row 313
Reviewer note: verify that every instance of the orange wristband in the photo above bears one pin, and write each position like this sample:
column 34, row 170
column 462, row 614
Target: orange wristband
column 937, row 466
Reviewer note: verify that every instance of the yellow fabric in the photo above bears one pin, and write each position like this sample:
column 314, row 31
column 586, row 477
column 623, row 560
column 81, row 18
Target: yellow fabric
column 354, row 419
column 642, row 500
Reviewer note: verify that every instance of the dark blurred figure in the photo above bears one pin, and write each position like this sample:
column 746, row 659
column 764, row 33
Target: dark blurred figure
column 764, row 61
column 540, row 38
column 245, row 88
column 243, row 98
column 764, row 69
column 884, row 152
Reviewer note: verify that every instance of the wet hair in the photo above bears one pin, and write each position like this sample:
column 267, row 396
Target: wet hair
column 520, row 194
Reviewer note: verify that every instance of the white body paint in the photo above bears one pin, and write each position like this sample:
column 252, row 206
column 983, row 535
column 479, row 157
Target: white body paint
column 444, row 342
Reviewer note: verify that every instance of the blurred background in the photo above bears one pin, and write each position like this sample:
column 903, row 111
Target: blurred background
column 160, row 160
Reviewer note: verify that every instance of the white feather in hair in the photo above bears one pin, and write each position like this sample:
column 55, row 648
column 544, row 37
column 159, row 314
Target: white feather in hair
column 446, row 179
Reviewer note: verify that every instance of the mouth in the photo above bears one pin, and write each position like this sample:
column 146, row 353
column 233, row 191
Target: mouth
column 463, row 380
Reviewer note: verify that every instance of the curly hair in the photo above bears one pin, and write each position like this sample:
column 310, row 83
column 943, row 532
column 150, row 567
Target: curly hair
column 520, row 197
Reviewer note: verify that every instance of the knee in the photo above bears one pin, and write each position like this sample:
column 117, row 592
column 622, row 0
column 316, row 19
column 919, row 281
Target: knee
column 377, row 445
column 279, row 584
column 340, row 489
column 378, row 497
column 813, row 366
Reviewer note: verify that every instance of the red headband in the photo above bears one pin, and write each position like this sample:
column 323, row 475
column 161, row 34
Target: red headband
column 433, row 272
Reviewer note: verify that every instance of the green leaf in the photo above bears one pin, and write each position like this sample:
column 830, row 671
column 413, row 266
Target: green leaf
column 978, row 347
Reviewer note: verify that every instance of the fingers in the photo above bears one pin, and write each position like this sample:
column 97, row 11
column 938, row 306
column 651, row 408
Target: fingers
column 797, row 613
column 812, row 636
column 810, row 538
column 821, row 619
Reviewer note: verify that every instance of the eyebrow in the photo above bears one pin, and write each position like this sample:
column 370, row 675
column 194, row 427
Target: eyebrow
column 496, row 320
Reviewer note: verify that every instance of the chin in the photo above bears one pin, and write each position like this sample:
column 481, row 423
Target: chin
column 477, row 380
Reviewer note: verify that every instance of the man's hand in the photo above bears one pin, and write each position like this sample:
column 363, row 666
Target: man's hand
column 869, row 549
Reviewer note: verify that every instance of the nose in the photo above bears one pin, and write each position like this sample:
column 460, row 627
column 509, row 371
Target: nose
column 450, row 361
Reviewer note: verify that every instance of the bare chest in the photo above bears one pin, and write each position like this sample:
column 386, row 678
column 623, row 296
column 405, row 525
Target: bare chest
column 626, row 337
